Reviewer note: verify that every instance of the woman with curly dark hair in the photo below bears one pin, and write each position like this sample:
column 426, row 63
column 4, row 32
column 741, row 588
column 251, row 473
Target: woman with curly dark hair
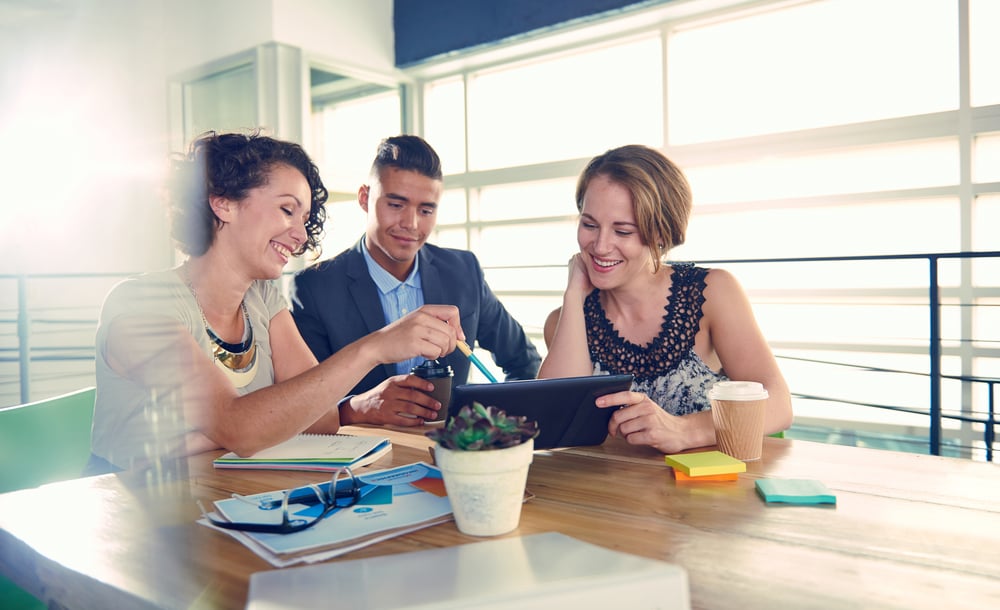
column 206, row 355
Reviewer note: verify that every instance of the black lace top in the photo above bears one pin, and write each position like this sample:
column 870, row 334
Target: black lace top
column 667, row 370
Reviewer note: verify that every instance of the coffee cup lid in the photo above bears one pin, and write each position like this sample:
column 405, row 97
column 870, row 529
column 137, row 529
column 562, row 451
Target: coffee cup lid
column 737, row 390
column 432, row 368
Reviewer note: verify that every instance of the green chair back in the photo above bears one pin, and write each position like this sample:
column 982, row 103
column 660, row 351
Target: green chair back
column 45, row 441
column 42, row 442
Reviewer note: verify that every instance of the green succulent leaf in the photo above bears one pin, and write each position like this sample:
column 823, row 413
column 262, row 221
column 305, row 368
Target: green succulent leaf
column 479, row 428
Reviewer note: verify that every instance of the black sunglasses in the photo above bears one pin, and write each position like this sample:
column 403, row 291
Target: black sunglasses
column 342, row 491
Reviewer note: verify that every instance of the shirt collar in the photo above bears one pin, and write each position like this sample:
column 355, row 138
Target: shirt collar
column 385, row 281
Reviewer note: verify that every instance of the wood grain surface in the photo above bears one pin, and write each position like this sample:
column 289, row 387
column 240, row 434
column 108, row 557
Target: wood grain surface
column 908, row 531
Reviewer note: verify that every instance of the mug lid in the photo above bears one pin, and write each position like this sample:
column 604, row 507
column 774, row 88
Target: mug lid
column 432, row 368
column 737, row 390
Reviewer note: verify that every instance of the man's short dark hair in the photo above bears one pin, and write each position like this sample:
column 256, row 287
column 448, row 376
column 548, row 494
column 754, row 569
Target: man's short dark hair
column 410, row 153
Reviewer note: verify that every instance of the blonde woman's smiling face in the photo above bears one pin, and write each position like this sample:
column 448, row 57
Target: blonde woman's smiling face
column 608, row 236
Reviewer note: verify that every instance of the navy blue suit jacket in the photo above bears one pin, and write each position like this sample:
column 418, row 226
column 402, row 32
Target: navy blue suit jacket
column 335, row 302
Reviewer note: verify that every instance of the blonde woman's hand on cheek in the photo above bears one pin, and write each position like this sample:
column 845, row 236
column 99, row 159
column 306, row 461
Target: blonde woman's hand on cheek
column 578, row 280
column 640, row 421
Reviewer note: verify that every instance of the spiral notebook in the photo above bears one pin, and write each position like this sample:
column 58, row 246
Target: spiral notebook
column 317, row 452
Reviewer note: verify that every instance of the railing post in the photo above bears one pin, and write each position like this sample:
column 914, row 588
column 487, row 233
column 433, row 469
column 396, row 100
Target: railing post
column 24, row 338
column 991, row 422
column 935, row 356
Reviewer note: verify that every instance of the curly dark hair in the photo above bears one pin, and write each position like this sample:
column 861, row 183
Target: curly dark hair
column 230, row 165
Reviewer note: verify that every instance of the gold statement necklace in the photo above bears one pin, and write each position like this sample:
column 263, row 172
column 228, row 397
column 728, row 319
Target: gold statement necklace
column 237, row 360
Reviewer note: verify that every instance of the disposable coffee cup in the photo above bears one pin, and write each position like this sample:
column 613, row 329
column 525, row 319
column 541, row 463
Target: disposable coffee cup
column 440, row 375
column 738, row 415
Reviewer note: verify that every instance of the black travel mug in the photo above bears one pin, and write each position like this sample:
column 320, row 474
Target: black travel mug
column 440, row 375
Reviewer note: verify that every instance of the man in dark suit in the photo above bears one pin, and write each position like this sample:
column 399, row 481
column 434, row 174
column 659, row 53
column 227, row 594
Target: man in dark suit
column 392, row 271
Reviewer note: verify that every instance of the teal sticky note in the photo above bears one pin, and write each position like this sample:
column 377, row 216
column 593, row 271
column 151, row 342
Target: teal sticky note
column 795, row 491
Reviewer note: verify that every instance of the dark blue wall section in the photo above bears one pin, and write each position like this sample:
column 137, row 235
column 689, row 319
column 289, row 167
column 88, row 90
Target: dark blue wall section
column 428, row 28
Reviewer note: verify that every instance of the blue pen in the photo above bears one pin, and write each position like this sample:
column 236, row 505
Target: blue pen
column 464, row 348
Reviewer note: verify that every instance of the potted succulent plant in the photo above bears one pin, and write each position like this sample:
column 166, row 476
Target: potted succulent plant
column 484, row 456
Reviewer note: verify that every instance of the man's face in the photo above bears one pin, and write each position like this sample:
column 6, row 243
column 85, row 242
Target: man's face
column 402, row 210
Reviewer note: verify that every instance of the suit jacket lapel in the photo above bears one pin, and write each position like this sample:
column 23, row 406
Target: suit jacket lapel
column 364, row 292
column 430, row 278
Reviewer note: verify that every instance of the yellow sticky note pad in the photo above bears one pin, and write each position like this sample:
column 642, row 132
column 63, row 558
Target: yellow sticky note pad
column 704, row 463
column 680, row 477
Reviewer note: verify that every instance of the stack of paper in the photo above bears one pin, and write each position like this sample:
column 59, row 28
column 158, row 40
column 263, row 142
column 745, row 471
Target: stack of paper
column 316, row 452
column 536, row 572
column 393, row 502
column 705, row 466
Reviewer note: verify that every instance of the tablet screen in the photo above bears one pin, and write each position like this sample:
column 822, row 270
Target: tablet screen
column 564, row 407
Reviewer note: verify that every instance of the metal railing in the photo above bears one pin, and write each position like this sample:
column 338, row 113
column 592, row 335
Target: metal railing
column 987, row 418
column 934, row 341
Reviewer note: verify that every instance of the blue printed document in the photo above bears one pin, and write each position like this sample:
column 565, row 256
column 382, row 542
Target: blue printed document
column 393, row 502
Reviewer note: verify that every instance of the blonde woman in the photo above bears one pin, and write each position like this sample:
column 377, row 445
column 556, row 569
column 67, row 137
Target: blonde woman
column 677, row 327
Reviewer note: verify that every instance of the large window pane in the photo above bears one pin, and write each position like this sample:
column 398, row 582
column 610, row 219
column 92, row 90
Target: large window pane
column 853, row 322
column 514, row 246
column 451, row 238
column 985, row 220
column 347, row 134
column 575, row 106
column 986, row 157
column 528, row 200
column 444, row 124
column 870, row 168
column 986, row 327
column 552, row 278
column 451, row 208
column 806, row 280
column 862, row 385
column 984, row 56
column 812, row 65
column 345, row 224
column 986, row 332
column 865, row 228
column 531, row 314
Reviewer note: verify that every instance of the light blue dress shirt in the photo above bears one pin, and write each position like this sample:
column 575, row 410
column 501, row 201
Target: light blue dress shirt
column 397, row 298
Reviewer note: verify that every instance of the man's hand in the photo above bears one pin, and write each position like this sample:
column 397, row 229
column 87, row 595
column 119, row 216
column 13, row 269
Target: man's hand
column 402, row 400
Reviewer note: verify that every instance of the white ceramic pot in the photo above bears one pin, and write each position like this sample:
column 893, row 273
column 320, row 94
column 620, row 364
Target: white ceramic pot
column 486, row 488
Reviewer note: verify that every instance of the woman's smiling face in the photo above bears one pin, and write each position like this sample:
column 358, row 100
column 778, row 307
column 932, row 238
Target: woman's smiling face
column 269, row 225
column 608, row 235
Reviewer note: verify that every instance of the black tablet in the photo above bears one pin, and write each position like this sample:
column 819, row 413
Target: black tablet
column 564, row 408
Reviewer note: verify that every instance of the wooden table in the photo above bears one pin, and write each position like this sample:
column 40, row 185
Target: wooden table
column 908, row 531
